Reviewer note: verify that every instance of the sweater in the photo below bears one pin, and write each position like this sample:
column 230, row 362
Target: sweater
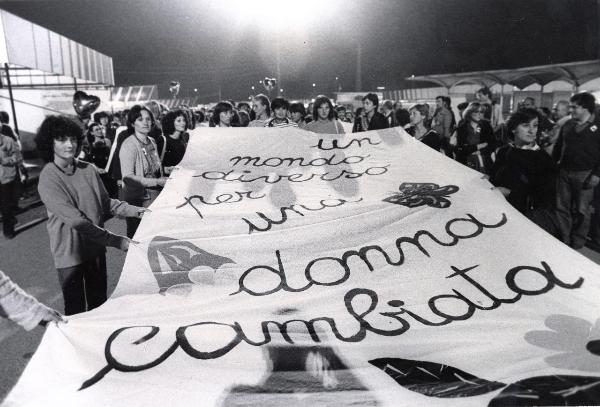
column 578, row 146
column 77, row 205
column 530, row 174
column 138, row 161
column 325, row 127
column 18, row 306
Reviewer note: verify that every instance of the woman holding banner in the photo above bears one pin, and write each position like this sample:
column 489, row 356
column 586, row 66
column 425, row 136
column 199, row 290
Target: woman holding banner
column 324, row 120
column 419, row 129
column 141, row 169
column 525, row 174
column 77, row 204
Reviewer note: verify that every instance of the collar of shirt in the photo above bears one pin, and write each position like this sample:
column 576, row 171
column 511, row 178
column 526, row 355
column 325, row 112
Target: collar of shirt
column 532, row 147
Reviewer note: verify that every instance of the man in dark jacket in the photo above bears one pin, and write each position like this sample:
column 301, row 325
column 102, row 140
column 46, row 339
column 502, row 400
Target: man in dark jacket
column 577, row 151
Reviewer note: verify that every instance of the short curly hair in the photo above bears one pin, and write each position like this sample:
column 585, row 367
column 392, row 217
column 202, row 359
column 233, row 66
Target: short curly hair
column 56, row 128
column 168, row 122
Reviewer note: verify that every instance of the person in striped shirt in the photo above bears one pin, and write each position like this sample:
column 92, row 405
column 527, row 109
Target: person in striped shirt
column 280, row 108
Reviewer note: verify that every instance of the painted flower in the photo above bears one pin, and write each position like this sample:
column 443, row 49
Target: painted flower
column 576, row 340
column 419, row 194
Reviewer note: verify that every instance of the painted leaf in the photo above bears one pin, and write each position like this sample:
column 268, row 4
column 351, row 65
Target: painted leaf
column 180, row 257
column 434, row 379
column 550, row 391
column 419, row 194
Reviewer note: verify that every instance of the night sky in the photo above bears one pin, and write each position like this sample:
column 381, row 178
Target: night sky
column 197, row 43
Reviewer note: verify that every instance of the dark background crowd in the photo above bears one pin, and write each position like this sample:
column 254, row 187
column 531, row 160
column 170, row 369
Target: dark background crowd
column 545, row 162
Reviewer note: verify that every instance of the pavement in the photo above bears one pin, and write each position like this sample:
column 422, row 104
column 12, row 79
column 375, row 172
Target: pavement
column 26, row 259
column 28, row 262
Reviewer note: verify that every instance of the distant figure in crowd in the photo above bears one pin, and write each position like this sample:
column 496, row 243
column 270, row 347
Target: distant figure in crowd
column 20, row 307
column 370, row 118
column 340, row 113
column 387, row 109
column 560, row 115
column 461, row 109
column 174, row 125
column 280, row 108
column 525, row 173
column 297, row 113
column 577, row 152
column 222, row 114
column 244, row 118
column 444, row 122
column 77, row 205
column 261, row 105
column 156, row 132
column 475, row 139
column 98, row 146
column 401, row 114
column 5, row 127
column 419, row 129
column 141, row 169
column 98, row 153
column 324, row 118
column 244, row 107
column 492, row 110
column 10, row 160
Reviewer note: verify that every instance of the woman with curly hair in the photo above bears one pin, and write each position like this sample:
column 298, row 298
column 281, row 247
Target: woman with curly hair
column 77, row 204
column 174, row 125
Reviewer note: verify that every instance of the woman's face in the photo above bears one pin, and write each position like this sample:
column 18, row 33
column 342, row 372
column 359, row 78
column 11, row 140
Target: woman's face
column 65, row 148
column 180, row 123
column 323, row 111
column 525, row 133
column 477, row 115
column 281, row 113
column 296, row 116
column 415, row 117
column 225, row 118
column 258, row 107
column 143, row 124
column 368, row 106
column 97, row 131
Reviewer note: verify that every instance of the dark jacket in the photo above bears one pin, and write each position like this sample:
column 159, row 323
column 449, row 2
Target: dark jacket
column 377, row 122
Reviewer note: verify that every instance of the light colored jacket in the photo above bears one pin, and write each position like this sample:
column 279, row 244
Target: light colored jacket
column 10, row 156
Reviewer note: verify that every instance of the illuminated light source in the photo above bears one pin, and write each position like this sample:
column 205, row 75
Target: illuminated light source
column 195, row 89
column 381, row 88
column 279, row 14
column 252, row 87
column 314, row 84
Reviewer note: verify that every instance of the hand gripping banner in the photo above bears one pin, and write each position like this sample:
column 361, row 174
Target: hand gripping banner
column 283, row 267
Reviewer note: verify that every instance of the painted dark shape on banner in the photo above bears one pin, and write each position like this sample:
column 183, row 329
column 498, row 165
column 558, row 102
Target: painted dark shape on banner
column 181, row 257
column 303, row 376
column 434, row 379
column 419, row 194
column 444, row 381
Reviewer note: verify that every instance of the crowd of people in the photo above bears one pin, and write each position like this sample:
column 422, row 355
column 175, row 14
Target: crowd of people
column 546, row 164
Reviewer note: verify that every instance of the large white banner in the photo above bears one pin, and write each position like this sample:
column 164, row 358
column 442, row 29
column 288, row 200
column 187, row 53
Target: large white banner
column 282, row 267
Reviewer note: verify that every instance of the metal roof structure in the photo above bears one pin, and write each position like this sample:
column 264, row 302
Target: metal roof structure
column 575, row 73
column 34, row 57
